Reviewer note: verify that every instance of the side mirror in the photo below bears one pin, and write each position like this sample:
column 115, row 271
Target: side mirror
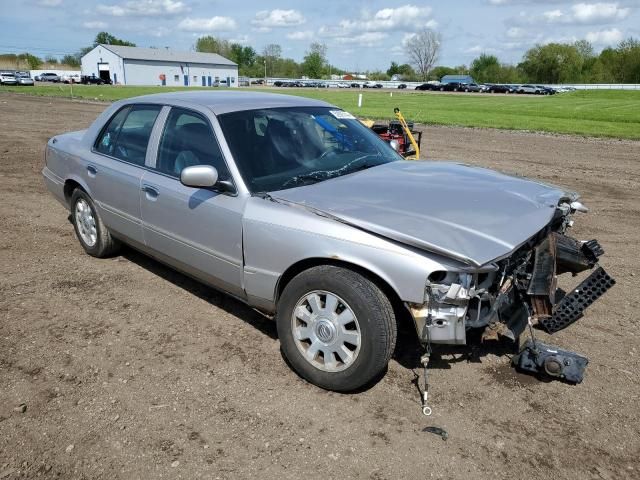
column 199, row 176
column 395, row 145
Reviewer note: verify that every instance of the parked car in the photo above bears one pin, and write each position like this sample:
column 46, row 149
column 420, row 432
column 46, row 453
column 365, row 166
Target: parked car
column 344, row 85
column 402, row 86
column 48, row 77
column 306, row 215
column 8, row 78
column 24, row 79
column 471, row 87
column 71, row 78
column 451, row 87
column 372, row 85
column 495, row 88
column 356, row 85
column 93, row 80
column 430, row 87
column 546, row 90
column 531, row 89
column 257, row 81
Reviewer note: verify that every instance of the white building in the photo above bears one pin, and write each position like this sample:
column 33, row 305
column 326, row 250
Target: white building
column 151, row 66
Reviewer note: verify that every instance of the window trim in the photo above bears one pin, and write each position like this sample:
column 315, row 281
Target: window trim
column 129, row 106
column 151, row 166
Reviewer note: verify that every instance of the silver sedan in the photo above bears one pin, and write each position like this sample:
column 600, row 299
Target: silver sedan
column 295, row 207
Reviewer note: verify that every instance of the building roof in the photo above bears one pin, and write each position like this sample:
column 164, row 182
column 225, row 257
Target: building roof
column 164, row 55
column 227, row 101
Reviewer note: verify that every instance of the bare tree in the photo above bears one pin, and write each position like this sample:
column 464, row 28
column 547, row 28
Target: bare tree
column 423, row 49
column 273, row 50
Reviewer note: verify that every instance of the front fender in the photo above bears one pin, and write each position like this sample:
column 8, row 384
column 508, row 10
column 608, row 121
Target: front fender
column 277, row 236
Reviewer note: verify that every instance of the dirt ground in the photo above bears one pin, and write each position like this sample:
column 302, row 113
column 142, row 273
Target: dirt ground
column 130, row 370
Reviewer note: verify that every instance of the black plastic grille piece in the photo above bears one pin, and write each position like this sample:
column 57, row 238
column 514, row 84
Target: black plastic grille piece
column 573, row 305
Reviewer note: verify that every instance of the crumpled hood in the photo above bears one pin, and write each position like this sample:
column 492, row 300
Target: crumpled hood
column 472, row 214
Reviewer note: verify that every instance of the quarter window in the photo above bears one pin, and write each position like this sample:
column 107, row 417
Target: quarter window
column 127, row 135
column 187, row 141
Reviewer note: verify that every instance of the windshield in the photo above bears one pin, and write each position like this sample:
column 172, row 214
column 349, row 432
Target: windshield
column 282, row 148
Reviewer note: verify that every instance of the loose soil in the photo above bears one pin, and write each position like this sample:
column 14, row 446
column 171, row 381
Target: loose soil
column 127, row 369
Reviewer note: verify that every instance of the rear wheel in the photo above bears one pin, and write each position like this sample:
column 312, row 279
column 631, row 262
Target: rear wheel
column 337, row 329
column 92, row 234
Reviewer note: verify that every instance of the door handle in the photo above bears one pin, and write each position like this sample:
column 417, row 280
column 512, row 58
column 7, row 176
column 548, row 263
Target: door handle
column 152, row 192
column 91, row 170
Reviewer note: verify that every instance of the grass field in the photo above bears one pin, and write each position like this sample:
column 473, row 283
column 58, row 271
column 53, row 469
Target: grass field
column 599, row 113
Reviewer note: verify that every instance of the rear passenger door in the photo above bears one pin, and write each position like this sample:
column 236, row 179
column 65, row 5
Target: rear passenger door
column 196, row 230
column 114, row 171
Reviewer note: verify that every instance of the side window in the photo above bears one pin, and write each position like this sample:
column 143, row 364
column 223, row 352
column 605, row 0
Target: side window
column 188, row 140
column 107, row 141
column 127, row 135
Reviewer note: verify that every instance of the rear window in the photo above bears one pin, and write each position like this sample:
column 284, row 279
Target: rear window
column 126, row 136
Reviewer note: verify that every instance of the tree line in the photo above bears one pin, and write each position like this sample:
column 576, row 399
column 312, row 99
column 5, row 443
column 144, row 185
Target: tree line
column 552, row 63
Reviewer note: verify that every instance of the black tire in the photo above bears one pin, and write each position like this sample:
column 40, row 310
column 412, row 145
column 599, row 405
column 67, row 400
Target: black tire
column 375, row 317
column 105, row 245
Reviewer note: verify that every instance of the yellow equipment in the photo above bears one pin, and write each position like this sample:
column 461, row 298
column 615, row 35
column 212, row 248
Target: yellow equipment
column 409, row 134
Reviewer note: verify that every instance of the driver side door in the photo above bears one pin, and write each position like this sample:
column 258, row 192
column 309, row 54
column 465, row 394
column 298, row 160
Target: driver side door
column 197, row 230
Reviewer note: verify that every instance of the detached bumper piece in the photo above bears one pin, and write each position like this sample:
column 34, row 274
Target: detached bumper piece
column 573, row 305
column 542, row 359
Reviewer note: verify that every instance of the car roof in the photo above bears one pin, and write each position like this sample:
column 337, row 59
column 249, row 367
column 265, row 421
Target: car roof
column 226, row 101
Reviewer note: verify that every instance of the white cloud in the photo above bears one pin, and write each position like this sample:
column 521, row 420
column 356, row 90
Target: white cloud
column 241, row 39
column 300, row 35
column 265, row 19
column 49, row 3
column 203, row 25
column 391, row 18
column 588, row 13
column 95, row 25
column 405, row 17
column 144, row 8
column 605, row 37
column 477, row 49
column 554, row 16
column 366, row 39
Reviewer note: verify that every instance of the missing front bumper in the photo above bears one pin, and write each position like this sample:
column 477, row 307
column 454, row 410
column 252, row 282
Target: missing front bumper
column 572, row 306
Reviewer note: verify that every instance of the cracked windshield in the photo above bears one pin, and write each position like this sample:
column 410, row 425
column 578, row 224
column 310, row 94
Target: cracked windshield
column 282, row 148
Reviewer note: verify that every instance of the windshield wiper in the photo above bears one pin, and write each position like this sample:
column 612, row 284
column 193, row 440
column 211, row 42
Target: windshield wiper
column 307, row 178
column 320, row 175
column 362, row 166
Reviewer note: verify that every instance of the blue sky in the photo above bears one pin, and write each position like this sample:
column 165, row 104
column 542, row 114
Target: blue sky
column 360, row 35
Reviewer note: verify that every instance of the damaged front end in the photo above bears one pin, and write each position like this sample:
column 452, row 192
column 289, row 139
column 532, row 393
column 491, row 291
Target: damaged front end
column 505, row 296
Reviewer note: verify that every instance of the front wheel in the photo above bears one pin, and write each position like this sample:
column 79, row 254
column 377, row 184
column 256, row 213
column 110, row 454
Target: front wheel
column 92, row 233
column 336, row 328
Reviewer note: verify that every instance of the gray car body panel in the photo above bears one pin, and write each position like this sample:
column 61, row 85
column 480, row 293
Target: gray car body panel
column 469, row 213
column 400, row 221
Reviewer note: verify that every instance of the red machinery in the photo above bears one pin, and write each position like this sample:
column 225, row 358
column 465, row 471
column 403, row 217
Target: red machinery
column 402, row 132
